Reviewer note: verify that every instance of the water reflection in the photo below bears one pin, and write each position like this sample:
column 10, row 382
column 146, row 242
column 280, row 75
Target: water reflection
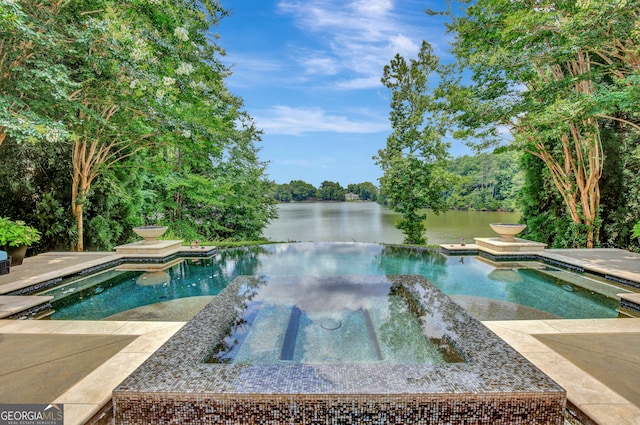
column 458, row 276
column 329, row 319
column 371, row 222
column 130, row 290
column 403, row 261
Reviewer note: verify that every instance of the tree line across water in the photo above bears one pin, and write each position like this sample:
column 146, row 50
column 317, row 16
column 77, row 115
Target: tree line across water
column 484, row 182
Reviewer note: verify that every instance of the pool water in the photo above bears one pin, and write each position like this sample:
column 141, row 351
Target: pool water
column 330, row 319
column 467, row 277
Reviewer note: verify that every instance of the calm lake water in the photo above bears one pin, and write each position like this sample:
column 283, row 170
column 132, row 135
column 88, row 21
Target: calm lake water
column 371, row 222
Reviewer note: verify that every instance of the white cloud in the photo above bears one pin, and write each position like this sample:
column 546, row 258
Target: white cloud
column 253, row 69
column 358, row 37
column 373, row 7
column 253, row 62
column 360, row 83
column 320, row 65
column 404, row 45
column 296, row 121
column 359, row 19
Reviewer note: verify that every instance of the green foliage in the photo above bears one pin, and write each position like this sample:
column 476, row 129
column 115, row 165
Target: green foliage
column 542, row 209
column 415, row 156
column 366, row 191
column 115, row 207
column 552, row 74
column 616, row 193
column 632, row 179
column 34, row 82
column 58, row 229
column 544, row 212
column 282, row 192
column 32, row 181
column 134, row 93
column 619, row 222
column 488, row 182
column 298, row 190
column 17, row 233
column 331, row 191
column 301, row 191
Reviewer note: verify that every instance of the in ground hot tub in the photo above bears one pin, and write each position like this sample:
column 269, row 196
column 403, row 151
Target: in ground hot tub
column 336, row 349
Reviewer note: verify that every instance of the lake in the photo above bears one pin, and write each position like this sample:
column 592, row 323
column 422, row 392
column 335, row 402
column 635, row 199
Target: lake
column 372, row 222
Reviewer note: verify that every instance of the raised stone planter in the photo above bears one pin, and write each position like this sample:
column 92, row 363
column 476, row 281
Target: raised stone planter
column 507, row 231
column 150, row 233
column 151, row 244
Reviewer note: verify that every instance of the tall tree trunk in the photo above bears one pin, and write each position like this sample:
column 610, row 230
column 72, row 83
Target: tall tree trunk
column 87, row 159
column 78, row 209
column 577, row 178
column 78, row 194
column 576, row 172
column 84, row 171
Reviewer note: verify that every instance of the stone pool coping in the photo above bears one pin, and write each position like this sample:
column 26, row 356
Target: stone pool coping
column 494, row 383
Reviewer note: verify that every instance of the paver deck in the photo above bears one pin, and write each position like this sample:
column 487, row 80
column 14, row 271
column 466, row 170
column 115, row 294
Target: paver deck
column 547, row 343
column 582, row 356
column 81, row 364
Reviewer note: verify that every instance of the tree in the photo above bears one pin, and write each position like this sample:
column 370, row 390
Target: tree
column 415, row 156
column 302, row 191
column 544, row 212
column 543, row 209
column 282, row 192
column 34, row 81
column 133, row 94
column 366, row 191
column 331, row 191
column 141, row 85
column 37, row 82
column 486, row 181
column 550, row 71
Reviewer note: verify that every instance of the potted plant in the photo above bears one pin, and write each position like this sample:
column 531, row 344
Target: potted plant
column 15, row 237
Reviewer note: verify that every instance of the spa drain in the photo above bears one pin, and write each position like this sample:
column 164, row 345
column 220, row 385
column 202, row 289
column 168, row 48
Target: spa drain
column 331, row 324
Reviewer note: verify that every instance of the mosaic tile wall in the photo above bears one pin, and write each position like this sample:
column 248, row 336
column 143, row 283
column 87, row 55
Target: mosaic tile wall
column 498, row 409
column 494, row 385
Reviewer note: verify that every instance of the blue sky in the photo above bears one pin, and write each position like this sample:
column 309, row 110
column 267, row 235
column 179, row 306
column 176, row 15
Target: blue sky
column 309, row 74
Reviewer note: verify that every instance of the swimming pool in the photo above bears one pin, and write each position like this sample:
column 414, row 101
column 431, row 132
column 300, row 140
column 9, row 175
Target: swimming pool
column 488, row 291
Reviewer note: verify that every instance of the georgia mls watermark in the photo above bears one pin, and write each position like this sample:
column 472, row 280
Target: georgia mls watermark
column 31, row 414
